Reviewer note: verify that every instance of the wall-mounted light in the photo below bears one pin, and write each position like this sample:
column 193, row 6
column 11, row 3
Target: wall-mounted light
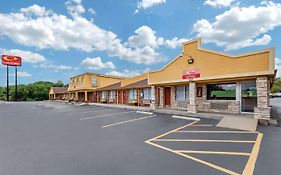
column 190, row 60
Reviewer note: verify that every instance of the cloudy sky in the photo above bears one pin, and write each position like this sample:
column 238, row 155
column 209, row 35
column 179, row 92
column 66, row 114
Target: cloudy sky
column 63, row 38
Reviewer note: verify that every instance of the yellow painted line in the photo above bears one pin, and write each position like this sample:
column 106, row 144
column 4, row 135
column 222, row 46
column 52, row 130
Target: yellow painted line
column 195, row 140
column 213, row 152
column 162, row 135
column 195, row 159
column 224, row 132
column 201, row 125
column 105, row 115
column 250, row 166
column 127, row 121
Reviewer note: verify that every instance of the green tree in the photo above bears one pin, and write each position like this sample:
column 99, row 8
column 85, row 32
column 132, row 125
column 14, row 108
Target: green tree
column 276, row 85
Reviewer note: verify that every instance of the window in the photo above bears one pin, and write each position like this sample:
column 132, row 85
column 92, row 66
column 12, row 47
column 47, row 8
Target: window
column 133, row 94
column 103, row 94
column 221, row 91
column 94, row 82
column 147, row 93
column 112, row 94
column 182, row 93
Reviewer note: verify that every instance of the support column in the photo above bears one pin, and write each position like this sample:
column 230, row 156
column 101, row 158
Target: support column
column 54, row 96
column 86, row 96
column 192, row 99
column 76, row 96
column 161, row 96
column 152, row 95
column 262, row 111
column 173, row 97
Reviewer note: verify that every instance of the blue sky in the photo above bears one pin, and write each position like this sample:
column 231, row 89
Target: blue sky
column 62, row 38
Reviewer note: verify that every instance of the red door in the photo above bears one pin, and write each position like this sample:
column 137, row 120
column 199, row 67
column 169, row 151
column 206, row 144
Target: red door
column 167, row 100
column 119, row 93
column 125, row 97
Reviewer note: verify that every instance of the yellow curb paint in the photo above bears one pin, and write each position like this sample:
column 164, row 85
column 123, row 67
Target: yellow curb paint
column 226, row 132
column 195, row 159
column 212, row 152
column 162, row 135
column 250, row 166
column 195, row 140
column 127, row 121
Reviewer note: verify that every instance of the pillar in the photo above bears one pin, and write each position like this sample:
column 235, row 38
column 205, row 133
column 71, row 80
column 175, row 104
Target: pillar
column 262, row 111
column 86, row 96
column 54, row 96
column 152, row 95
column 76, row 96
column 173, row 97
column 161, row 95
column 192, row 99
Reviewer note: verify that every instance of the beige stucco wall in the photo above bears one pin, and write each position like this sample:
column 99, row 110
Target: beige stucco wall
column 214, row 64
column 134, row 79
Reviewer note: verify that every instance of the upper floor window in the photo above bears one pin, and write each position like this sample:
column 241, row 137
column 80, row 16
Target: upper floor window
column 226, row 91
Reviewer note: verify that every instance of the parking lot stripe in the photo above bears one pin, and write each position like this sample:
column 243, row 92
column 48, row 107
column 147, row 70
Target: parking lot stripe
column 105, row 115
column 213, row 152
column 224, row 132
column 85, row 112
column 194, row 159
column 127, row 121
column 162, row 135
column 201, row 125
column 250, row 166
column 195, row 140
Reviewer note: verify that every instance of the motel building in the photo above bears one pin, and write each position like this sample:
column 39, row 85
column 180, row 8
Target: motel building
column 198, row 80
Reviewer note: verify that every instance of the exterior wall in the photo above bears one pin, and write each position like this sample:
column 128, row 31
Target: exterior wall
column 214, row 65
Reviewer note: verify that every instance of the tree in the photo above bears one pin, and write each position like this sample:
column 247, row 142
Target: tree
column 276, row 86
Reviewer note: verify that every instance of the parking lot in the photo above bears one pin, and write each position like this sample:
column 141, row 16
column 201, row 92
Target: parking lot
column 54, row 138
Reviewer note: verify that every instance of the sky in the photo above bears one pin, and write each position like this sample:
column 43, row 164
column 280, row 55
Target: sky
column 63, row 38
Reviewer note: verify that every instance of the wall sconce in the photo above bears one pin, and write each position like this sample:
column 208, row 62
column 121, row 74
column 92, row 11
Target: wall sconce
column 190, row 60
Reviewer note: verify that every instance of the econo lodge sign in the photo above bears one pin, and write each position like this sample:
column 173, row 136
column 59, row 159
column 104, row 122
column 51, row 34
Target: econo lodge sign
column 190, row 74
column 11, row 60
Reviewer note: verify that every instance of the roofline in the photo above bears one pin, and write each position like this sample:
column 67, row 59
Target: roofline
column 102, row 75
column 271, row 51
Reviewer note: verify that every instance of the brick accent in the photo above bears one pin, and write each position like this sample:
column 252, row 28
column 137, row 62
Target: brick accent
column 161, row 104
column 173, row 97
column 262, row 111
column 153, row 98
column 192, row 98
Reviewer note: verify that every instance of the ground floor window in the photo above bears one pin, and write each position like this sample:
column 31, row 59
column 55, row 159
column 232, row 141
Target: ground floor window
column 133, row 94
column 103, row 94
column 225, row 91
column 147, row 93
column 112, row 94
column 248, row 96
column 182, row 93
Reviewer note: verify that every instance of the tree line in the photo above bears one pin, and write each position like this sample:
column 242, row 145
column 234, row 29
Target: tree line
column 30, row 92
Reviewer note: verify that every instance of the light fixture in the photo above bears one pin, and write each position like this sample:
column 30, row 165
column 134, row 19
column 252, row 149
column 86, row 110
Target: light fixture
column 190, row 60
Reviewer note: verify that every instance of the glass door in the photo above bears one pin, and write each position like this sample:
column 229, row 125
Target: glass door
column 248, row 96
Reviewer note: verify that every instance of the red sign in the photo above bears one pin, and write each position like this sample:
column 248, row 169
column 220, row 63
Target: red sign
column 11, row 60
column 189, row 74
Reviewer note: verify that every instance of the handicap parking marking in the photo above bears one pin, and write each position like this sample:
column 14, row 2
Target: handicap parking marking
column 248, row 168
column 128, row 121
column 105, row 115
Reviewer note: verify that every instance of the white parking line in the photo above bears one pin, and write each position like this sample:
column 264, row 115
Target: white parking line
column 85, row 112
column 127, row 121
column 105, row 115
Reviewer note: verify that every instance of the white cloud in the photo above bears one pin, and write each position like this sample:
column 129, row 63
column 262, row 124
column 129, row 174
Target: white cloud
column 96, row 64
column 144, row 4
column 56, row 31
column 218, row 3
column 74, row 7
column 27, row 56
column 56, row 68
column 175, row 42
column 92, row 11
column 22, row 74
column 241, row 26
column 125, row 73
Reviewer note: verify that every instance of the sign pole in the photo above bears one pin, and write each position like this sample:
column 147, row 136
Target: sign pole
column 16, row 82
column 7, row 83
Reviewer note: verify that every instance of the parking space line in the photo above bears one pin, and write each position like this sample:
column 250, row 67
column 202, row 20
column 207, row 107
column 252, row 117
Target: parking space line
column 194, row 159
column 85, row 112
column 213, row 152
column 127, row 121
column 250, row 166
column 105, row 115
column 224, row 132
column 195, row 140
column 201, row 125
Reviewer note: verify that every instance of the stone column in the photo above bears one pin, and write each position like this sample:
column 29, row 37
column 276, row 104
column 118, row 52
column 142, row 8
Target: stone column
column 76, row 96
column 192, row 99
column 54, row 96
column 152, row 95
column 86, row 96
column 173, row 97
column 262, row 111
column 161, row 95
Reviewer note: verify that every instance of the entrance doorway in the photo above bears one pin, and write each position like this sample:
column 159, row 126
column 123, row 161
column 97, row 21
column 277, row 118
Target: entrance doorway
column 248, row 96
column 167, row 95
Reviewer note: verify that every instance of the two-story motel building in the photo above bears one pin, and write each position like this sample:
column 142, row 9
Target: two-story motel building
column 198, row 80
